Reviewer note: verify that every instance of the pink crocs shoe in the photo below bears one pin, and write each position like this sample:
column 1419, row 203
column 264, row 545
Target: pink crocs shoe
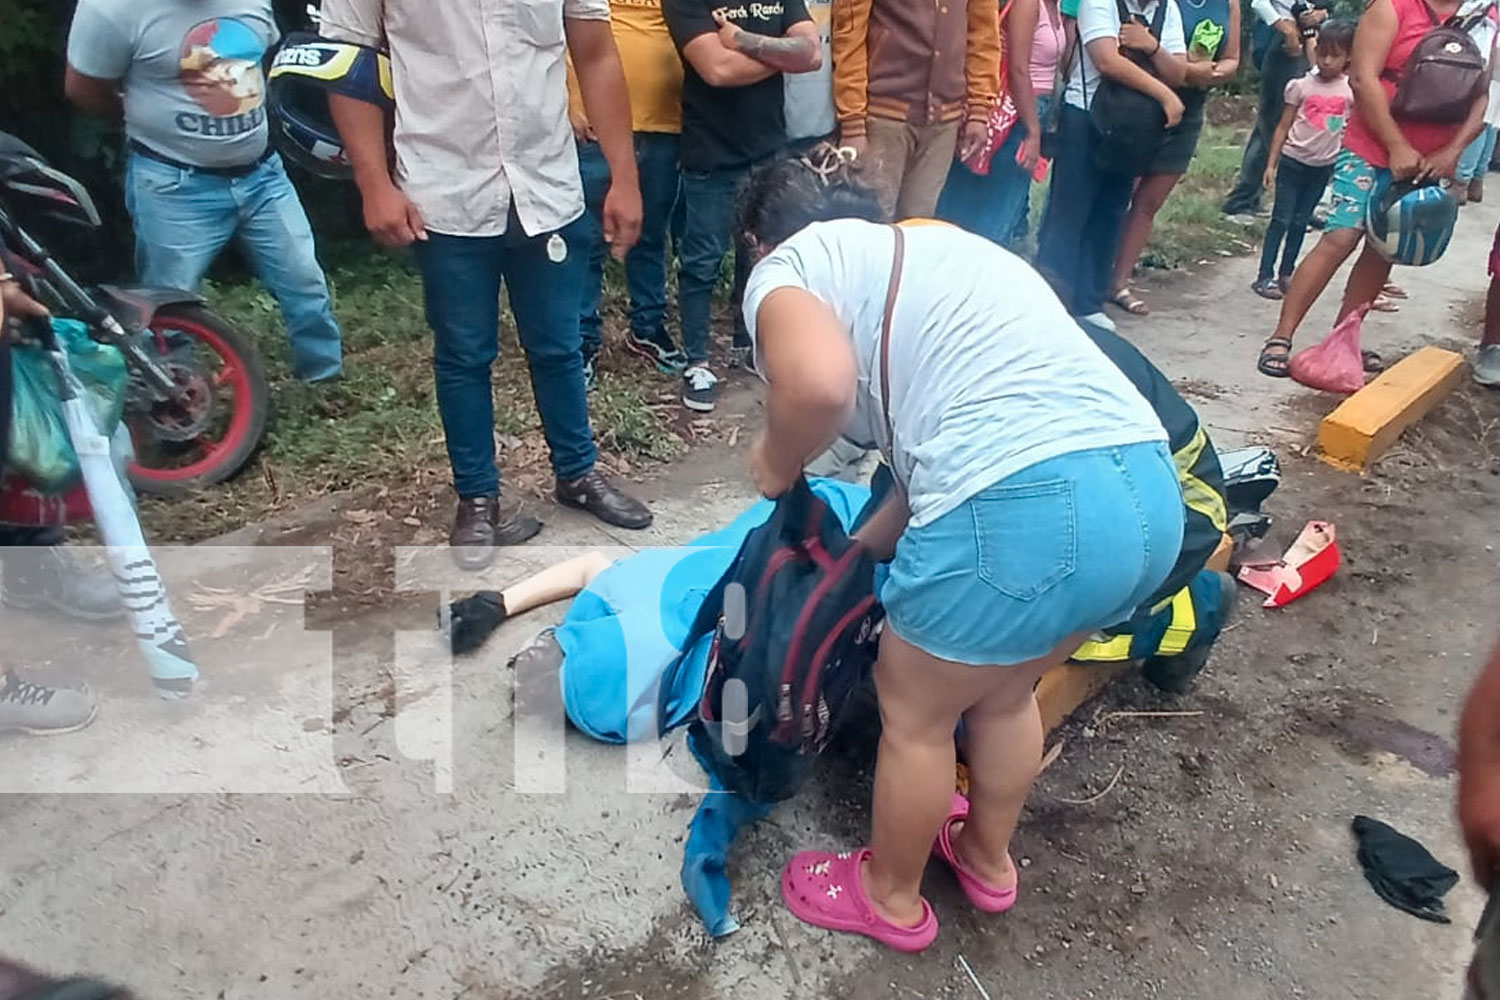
column 985, row 897
column 826, row 890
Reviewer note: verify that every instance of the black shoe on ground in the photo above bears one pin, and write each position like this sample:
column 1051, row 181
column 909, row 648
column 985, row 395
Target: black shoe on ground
column 51, row 576
column 595, row 493
column 699, row 388
column 479, row 526
column 659, row 349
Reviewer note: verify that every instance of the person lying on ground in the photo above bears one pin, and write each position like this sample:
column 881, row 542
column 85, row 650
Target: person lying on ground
column 1303, row 151
column 1006, row 550
column 1377, row 147
column 1479, row 775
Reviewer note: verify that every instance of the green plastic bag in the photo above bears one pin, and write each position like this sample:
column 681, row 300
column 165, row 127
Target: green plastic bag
column 40, row 448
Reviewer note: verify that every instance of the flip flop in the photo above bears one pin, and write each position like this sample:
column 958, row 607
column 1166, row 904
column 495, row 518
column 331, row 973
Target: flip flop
column 984, row 896
column 1128, row 301
column 826, row 890
column 1384, row 303
column 1274, row 364
column 1394, row 290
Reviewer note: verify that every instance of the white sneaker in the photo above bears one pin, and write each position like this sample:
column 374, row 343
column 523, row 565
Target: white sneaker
column 698, row 388
column 1100, row 319
column 1487, row 366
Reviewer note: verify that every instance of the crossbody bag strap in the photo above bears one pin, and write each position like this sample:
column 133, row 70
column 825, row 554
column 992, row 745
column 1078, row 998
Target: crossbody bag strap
column 893, row 286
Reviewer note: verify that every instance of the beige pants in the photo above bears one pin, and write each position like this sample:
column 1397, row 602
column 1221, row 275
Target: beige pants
column 908, row 164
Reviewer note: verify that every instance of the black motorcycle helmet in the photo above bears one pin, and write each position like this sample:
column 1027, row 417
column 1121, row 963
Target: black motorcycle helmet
column 304, row 72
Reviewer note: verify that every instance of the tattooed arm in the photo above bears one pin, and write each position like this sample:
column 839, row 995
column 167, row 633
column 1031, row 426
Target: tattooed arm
column 799, row 51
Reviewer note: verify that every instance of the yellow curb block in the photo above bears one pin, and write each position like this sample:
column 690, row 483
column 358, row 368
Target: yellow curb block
column 1370, row 421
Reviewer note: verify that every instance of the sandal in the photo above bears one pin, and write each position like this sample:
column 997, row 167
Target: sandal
column 1393, row 290
column 1374, row 364
column 1267, row 288
column 827, row 890
column 1128, row 301
column 1384, row 303
column 1275, row 358
column 983, row 896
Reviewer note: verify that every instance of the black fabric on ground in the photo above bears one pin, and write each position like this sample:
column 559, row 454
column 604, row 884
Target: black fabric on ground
column 1403, row 872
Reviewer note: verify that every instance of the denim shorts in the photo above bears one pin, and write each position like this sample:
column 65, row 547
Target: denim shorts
column 1354, row 178
column 1068, row 546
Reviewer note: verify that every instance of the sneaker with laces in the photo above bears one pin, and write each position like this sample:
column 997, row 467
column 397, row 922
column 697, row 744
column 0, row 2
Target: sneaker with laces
column 52, row 576
column 699, row 390
column 1487, row 366
column 39, row 710
column 658, row 348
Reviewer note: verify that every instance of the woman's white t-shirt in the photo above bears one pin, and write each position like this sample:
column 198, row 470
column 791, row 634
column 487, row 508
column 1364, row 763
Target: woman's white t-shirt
column 989, row 374
column 1101, row 19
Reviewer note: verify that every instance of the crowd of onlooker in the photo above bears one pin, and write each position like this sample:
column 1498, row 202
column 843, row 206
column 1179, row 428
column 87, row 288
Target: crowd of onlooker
column 514, row 145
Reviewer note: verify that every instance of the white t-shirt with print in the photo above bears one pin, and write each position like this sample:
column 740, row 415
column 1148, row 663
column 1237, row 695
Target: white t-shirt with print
column 989, row 374
column 1101, row 19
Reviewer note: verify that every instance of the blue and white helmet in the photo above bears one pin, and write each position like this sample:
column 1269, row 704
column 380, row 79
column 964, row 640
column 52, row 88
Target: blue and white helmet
column 1410, row 224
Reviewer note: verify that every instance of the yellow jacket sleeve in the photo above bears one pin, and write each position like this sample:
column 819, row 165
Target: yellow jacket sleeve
column 850, row 21
column 982, row 58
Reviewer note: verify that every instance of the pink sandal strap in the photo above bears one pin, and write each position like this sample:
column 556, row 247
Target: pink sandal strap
column 827, row 890
column 984, row 896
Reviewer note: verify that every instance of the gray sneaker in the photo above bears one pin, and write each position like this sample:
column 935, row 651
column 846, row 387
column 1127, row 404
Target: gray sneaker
column 50, row 576
column 1487, row 366
column 39, row 710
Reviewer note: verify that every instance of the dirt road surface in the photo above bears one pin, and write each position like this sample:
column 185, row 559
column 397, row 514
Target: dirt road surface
column 391, row 854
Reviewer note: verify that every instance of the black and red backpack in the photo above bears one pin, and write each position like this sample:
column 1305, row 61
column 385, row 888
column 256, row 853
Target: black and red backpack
column 794, row 634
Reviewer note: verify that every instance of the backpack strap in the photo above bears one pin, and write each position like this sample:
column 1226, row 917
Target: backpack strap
column 893, row 286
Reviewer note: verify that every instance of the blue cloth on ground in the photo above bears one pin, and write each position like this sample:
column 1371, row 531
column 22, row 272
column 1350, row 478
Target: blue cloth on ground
column 618, row 638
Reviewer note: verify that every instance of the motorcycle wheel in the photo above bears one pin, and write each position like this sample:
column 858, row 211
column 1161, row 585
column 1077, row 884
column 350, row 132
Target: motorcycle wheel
column 181, row 447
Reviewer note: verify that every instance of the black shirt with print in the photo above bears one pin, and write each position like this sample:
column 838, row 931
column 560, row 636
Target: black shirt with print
column 727, row 127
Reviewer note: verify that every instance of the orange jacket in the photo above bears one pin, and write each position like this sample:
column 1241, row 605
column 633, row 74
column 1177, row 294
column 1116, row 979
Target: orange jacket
column 917, row 61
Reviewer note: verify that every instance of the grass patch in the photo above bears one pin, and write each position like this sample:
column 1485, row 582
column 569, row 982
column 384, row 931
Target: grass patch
column 1190, row 228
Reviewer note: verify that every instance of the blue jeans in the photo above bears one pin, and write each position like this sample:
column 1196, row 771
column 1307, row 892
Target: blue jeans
column 1476, row 159
column 991, row 204
column 1298, row 188
column 461, row 278
column 183, row 218
column 1069, row 545
column 707, row 234
column 1085, row 215
column 646, row 263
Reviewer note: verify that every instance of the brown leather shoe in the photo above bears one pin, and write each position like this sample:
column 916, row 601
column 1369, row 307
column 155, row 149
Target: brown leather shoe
column 478, row 527
column 594, row 493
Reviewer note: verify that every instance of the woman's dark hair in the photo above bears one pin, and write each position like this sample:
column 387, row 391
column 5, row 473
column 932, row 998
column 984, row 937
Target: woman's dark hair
column 1337, row 33
column 789, row 194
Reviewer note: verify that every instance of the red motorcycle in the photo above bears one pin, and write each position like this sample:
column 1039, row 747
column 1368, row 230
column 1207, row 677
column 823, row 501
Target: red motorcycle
column 198, row 399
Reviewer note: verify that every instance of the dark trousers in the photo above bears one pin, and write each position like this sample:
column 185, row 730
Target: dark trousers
column 1085, row 215
column 1298, row 188
column 709, row 197
column 646, row 263
column 461, row 278
column 1277, row 69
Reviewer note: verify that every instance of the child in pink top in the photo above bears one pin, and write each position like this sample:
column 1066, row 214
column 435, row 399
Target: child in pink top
column 1305, row 145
